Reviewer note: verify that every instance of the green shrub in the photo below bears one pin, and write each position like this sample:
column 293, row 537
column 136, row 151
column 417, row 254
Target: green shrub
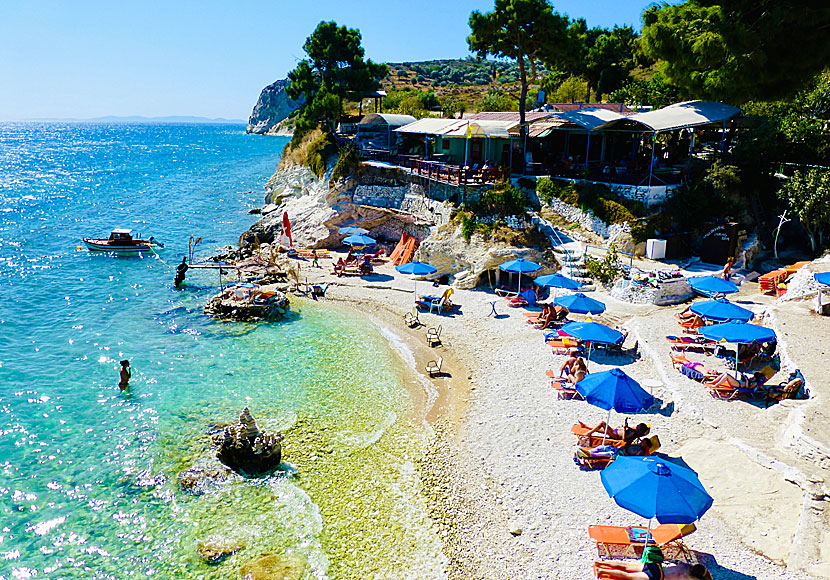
column 605, row 270
column 468, row 225
column 318, row 152
column 613, row 212
column 641, row 231
column 348, row 164
column 502, row 200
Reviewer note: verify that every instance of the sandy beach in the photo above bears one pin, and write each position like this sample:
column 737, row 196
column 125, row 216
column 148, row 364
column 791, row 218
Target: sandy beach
column 500, row 475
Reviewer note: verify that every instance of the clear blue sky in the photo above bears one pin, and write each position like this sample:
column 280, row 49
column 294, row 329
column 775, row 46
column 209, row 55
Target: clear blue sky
column 211, row 58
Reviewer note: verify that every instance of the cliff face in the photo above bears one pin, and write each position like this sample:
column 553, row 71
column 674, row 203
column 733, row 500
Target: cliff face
column 273, row 106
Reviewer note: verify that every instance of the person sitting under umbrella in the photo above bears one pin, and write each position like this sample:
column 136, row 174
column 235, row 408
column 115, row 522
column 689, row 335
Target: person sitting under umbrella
column 651, row 571
column 578, row 371
column 567, row 367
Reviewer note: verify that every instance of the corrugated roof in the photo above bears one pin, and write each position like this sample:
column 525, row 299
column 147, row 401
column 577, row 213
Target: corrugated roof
column 508, row 116
column 679, row 116
column 387, row 119
column 430, row 126
column 590, row 119
column 617, row 107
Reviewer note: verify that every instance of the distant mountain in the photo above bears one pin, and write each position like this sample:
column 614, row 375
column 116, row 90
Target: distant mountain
column 140, row 119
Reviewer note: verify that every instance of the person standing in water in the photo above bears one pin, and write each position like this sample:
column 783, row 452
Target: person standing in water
column 126, row 373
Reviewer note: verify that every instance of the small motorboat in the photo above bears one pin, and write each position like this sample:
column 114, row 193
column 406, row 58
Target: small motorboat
column 121, row 241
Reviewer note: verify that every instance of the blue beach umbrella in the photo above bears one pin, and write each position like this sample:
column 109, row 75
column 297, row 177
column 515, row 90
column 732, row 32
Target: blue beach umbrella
column 593, row 332
column 654, row 488
column 738, row 333
column 711, row 285
column 352, row 231
column 615, row 390
column 580, row 304
column 416, row 269
column 721, row 310
column 521, row 266
column 359, row 240
column 823, row 278
column 557, row 281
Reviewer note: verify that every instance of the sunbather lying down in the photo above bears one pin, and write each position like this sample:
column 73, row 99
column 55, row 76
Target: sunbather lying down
column 625, row 433
column 652, row 571
column 609, row 451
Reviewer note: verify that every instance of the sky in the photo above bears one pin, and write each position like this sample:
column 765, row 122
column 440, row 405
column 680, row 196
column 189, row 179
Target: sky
column 211, row 58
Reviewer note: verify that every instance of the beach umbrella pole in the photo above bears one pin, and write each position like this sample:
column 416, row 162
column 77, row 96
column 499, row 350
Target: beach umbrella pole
column 607, row 425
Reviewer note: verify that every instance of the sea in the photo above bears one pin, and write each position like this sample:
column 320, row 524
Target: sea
column 88, row 473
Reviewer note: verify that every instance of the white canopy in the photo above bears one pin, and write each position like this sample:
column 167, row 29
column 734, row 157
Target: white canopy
column 590, row 118
column 387, row 119
column 679, row 116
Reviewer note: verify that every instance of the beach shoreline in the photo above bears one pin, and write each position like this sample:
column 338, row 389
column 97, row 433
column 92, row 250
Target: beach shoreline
column 498, row 476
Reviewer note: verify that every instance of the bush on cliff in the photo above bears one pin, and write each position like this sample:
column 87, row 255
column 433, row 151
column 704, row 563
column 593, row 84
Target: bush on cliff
column 502, row 200
column 313, row 150
column 604, row 203
column 348, row 164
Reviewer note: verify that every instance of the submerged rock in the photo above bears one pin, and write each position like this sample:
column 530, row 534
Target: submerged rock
column 247, row 449
column 215, row 549
column 273, row 567
column 203, row 477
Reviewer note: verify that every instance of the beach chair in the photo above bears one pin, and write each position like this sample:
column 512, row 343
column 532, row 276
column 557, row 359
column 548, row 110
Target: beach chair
column 526, row 298
column 587, row 460
column 696, row 343
column 434, row 336
column 726, row 387
column 581, row 432
column 565, row 390
column 690, row 326
column 411, row 319
column 617, row 542
column 562, row 344
column 434, row 367
column 441, row 303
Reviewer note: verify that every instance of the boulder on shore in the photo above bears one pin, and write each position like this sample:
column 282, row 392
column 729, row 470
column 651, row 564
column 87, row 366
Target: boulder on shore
column 247, row 449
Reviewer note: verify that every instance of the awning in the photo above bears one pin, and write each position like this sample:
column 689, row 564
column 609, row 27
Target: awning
column 387, row 119
column 677, row 116
column 459, row 128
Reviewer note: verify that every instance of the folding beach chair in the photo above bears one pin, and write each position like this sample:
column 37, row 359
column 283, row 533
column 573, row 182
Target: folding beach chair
column 616, row 542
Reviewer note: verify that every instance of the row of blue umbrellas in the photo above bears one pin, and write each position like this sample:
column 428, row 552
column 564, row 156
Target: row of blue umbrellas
column 647, row 486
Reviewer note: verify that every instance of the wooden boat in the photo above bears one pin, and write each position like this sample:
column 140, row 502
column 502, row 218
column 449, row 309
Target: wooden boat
column 121, row 241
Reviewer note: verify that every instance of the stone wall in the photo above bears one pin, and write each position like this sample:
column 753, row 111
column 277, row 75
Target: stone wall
column 649, row 196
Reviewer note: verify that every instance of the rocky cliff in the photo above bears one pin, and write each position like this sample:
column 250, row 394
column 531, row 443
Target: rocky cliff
column 273, row 106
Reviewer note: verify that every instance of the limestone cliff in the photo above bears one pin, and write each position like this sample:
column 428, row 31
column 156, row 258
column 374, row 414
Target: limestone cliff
column 273, row 106
column 468, row 262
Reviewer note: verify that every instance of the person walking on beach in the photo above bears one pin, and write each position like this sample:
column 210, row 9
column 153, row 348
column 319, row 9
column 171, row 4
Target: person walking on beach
column 314, row 261
column 727, row 269
column 126, row 373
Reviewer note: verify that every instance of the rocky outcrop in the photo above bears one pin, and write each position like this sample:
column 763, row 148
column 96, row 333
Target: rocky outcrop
column 467, row 263
column 318, row 207
column 273, row 106
column 242, row 302
column 247, row 449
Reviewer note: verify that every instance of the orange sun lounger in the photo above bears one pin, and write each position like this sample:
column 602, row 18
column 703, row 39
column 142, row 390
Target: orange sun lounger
column 615, row 542
column 596, row 438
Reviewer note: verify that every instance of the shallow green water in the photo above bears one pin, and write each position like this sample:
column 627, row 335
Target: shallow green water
column 87, row 474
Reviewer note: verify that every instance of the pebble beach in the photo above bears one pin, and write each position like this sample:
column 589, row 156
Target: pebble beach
column 500, row 478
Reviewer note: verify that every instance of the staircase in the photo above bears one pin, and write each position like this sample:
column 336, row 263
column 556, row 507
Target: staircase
column 569, row 252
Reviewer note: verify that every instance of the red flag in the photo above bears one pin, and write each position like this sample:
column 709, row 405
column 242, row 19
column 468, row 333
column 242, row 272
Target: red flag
column 286, row 227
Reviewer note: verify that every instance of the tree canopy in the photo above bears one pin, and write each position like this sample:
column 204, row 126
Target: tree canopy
column 738, row 50
column 334, row 70
column 524, row 30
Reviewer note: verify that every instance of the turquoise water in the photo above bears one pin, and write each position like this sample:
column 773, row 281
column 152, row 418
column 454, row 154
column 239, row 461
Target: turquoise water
column 87, row 473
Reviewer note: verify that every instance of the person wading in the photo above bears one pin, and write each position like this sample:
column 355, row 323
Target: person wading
column 126, row 373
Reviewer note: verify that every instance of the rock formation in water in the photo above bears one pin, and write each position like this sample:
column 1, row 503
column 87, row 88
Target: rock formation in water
column 273, row 567
column 273, row 106
column 247, row 449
